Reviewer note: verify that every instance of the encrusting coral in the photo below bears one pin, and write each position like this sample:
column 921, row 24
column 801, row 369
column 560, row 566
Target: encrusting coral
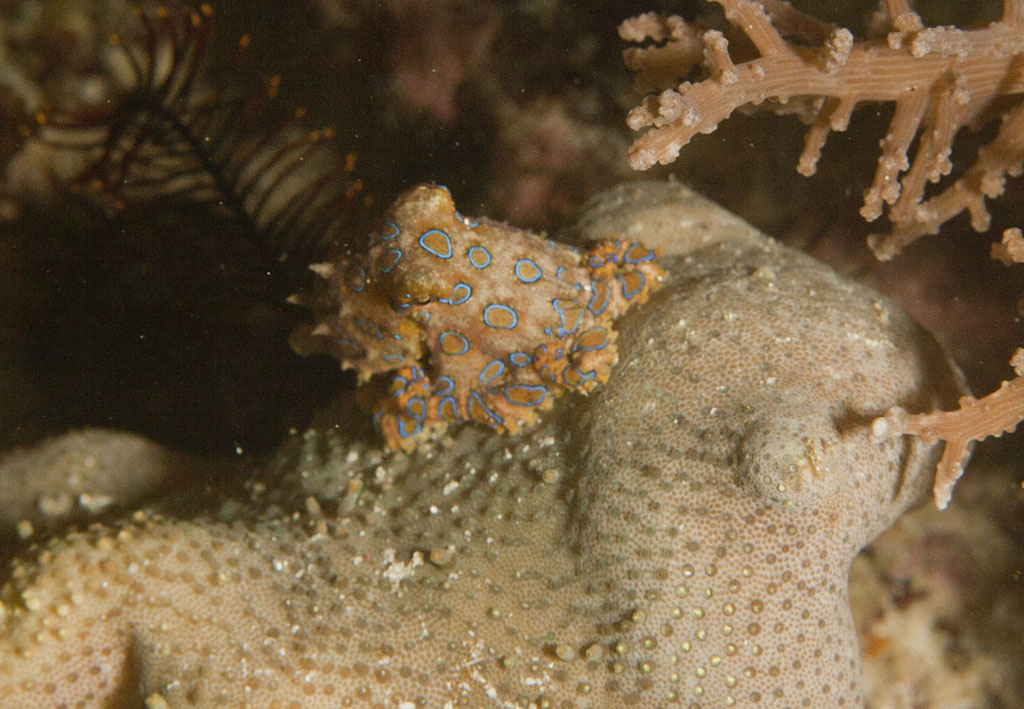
column 79, row 475
column 681, row 535
column 501, row 320
column 940, row 80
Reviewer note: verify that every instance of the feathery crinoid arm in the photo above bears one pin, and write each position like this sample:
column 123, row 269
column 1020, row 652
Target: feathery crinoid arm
column 172, row 132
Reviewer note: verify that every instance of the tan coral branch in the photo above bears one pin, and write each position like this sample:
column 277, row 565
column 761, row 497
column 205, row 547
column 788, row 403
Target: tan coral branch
column 912, row 218
column 1011, row 249
column 975, row 420
column 940, row 79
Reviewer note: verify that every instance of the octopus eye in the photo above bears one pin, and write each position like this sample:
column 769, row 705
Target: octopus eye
column 408, row 300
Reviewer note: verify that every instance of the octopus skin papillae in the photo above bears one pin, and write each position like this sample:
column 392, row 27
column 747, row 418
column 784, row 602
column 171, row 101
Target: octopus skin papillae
column 679, row 537
column 473, row 320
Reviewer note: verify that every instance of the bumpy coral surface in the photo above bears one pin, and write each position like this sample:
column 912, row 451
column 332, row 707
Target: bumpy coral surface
column 478, row 320
column 80, row 475
column 681, row 536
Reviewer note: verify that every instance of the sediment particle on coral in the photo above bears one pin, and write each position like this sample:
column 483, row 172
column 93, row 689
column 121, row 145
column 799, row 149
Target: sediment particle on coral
column 682, row 535
column 478, row 321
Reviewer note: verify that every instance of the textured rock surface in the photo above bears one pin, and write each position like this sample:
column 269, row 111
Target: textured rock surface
column 938, row 603
column 682, row 536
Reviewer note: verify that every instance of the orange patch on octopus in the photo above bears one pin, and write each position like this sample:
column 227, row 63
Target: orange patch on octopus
column 474, row 319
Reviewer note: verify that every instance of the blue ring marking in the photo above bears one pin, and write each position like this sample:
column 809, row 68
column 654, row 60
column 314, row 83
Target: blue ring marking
column 649, row 256
column 539, row 389
column 580, row 348
column 471, row 223
column 519, row 359
column 584, row 376
column 395, row 231
column 370, row 329
column 461, row 292
column 488, row 375
column 474, row 396
column 417, row 373
column 453, row 413
column 355, row 276
column 527, row 262
column 562, row 330
column 628, row 295
column 392, row 357
column 449, row 386
column 406, row 433
column 399, row 384
column 447, row 253
column 607, row 297
column 560, row 271
column 479, row 257
column 353, row 345
column 396, row 256
column 545, row 371
column 558, row 276
column 416, row 408
column 504, row 309
column 556, row 245
column 464, row 343
column 595, row 261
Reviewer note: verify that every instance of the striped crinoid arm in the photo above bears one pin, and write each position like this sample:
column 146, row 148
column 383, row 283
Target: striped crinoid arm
column 939, row 80
column 188, row 122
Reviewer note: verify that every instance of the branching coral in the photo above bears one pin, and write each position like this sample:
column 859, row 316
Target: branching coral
column 993, row 415
column 939, row 79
